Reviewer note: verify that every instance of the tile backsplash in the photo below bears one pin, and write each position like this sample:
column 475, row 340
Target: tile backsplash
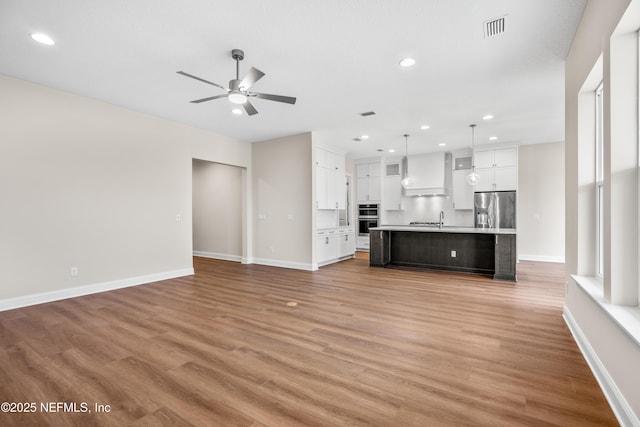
column 427, row 208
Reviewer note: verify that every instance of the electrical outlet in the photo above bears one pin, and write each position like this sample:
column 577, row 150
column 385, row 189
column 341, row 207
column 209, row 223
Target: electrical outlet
column 178, row 217
column 453, row 254
column 74, row 271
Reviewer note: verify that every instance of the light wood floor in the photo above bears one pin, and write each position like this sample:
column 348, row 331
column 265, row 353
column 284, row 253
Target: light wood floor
column 363, row 346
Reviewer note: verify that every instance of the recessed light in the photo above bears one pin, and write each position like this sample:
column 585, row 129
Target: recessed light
column 442, row 144
column 424, row 127
column 407, row 62
column 493, row 138
column 236, row 111
column 43, row 38
column 487, row 117
column 364, row 136
column 391, row 150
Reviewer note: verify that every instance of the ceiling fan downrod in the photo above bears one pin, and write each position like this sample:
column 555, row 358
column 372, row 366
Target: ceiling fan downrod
column 238, row 55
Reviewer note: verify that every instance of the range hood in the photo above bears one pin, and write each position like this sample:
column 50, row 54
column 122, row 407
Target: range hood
column 430, row 174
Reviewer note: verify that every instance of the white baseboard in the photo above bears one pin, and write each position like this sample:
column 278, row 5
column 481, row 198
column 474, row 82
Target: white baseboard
column 541, row 258
column 284, row 264
column 215, row 255
column 27, row 300
column 619, row 405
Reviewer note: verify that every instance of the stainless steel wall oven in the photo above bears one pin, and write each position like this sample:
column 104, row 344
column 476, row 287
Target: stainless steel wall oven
column 367, row 218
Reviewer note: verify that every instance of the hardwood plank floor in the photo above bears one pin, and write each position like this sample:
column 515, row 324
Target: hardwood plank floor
column 363, row 346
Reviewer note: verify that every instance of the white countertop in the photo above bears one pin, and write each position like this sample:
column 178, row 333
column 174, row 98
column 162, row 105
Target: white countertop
column 445, row 229
column 338, row 229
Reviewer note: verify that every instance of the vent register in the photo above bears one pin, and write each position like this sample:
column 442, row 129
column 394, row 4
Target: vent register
column 393, row 169
column 494, row 27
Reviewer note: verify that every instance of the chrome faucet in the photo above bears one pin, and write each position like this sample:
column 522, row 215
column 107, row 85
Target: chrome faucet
column 441, row 219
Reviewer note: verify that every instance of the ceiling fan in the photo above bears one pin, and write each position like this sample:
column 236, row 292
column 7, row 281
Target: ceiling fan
column 238, row 90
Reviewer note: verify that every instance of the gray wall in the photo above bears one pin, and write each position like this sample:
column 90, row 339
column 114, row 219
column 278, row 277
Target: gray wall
column 283, row 197
column 541, row 202
column 217, row 210
column 90, row 185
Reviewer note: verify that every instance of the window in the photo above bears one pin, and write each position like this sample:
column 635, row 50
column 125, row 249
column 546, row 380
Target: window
column 599, row 182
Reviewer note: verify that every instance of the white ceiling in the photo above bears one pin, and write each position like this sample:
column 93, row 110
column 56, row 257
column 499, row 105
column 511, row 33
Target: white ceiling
column 339, row 58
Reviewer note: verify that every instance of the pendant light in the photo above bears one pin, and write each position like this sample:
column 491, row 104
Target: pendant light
column 405, row 164
column 473, row 177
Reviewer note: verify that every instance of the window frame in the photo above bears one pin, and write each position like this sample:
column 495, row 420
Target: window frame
column 599, row 184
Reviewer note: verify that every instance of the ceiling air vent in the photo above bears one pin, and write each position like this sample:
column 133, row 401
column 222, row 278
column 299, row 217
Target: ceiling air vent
column 494, row 27
column 368, row 113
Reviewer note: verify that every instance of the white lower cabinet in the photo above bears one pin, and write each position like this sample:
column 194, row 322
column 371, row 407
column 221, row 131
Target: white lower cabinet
column 335, row 244
column 347, row 245
column 327, row 247
column 363, row 243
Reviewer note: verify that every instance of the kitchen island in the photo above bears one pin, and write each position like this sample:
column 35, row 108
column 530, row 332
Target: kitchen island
column 489, row 251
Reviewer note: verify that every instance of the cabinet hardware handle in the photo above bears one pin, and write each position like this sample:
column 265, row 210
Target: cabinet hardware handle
column 380, row 234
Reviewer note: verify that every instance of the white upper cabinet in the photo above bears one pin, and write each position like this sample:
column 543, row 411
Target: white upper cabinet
column 462, row 191
column 498, row 169
column 483, row 159
column 330, row 180
column 505, row 157
column 368, row 182
column 392, row 191
column 505, row 178
column 496, row 158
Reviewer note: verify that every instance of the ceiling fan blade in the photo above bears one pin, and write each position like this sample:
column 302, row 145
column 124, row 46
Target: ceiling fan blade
column 252, row 76
column 279, row 98
column 202, row 80
column 210, row 98
column 250, row 109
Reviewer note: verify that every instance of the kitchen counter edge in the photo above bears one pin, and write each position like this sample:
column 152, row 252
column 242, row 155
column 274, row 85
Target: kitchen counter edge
column 445, row 229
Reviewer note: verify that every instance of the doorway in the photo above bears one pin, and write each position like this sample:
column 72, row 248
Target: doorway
column 217, row 209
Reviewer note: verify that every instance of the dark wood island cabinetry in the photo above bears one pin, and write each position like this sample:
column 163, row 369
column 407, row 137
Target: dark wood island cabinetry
column 484, row 251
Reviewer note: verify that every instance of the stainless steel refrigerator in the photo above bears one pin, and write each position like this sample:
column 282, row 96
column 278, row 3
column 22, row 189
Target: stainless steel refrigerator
column 495, row 209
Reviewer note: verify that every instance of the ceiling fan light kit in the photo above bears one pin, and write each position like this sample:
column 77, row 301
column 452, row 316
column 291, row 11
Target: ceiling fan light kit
column 238, row 90
column 237, row 98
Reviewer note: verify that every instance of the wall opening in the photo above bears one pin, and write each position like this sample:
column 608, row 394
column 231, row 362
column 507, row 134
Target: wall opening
column 217, row 209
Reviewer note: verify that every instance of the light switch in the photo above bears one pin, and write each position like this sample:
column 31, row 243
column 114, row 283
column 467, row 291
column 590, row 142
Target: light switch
column 453, row 254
